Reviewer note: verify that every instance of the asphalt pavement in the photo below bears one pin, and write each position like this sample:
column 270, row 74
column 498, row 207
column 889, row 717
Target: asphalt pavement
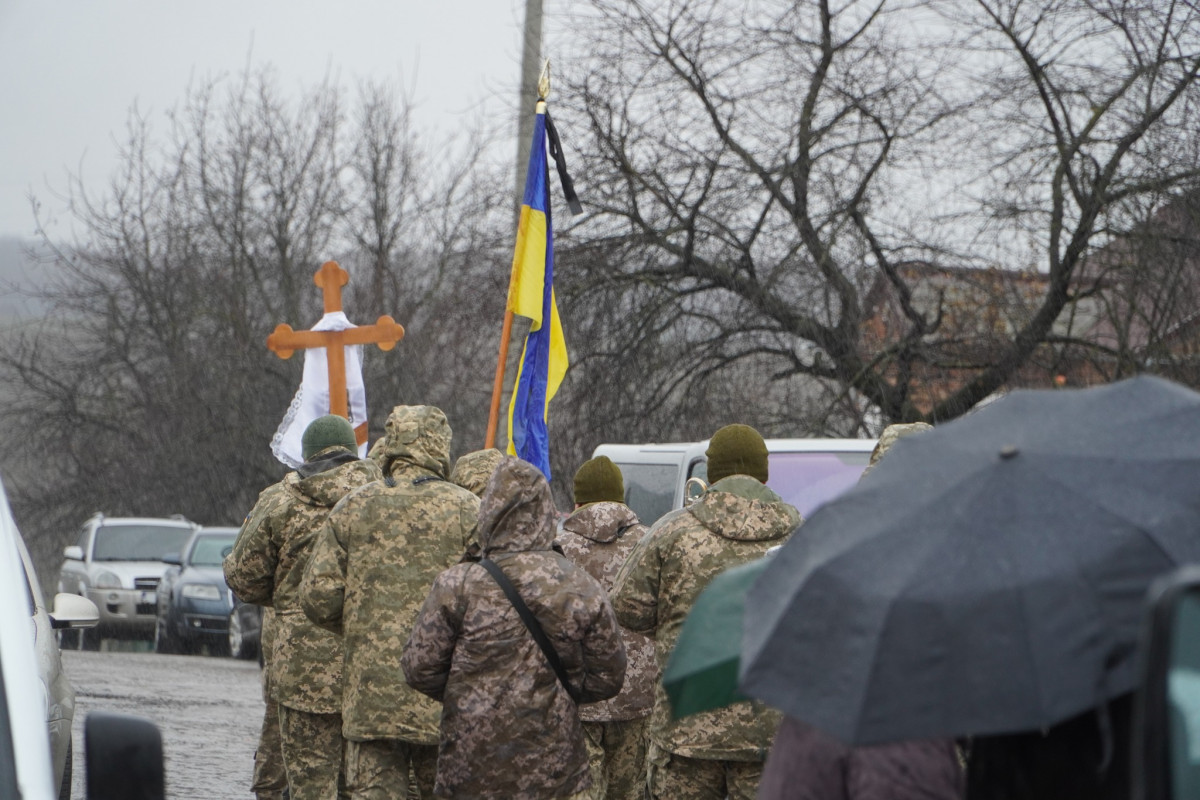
column 209, row 710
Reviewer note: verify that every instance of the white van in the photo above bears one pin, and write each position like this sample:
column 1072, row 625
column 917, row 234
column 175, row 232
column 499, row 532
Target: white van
column 804, row 472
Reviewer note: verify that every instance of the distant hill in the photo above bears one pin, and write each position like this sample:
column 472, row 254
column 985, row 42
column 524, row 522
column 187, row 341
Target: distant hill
column 21, row 274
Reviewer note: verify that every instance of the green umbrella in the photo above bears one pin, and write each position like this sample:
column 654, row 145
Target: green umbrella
column 702, row 672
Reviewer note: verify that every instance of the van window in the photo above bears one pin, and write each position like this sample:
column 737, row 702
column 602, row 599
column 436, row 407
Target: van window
column 649, row 489
column 809, row 480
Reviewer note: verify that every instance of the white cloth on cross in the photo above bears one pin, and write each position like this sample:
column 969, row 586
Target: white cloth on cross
column 312, row 398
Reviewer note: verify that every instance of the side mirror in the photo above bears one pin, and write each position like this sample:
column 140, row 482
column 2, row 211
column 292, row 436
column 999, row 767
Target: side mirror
column 73, row 611
column 73, row 552
column 1166, row 758
column 124, row 758
column 172, row 558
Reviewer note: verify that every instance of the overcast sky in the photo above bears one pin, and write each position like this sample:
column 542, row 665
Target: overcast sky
column 73, row 68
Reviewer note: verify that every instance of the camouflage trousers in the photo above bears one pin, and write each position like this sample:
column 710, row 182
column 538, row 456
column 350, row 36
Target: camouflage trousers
column 617, row 759
column 312, row 754
column 390, row 769
column 675, row 777
column 270, row 779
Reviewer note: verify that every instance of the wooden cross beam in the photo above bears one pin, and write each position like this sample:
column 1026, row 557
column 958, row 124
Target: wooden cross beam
column 385, row 333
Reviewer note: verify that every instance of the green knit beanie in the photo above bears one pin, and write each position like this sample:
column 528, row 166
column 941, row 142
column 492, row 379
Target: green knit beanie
column 736, row 450
column 599, row 479
column 328, row 431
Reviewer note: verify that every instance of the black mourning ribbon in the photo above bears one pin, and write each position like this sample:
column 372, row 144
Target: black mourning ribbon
column 560, row 163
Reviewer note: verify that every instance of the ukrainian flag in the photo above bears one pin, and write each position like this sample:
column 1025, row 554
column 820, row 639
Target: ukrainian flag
column 531, row 294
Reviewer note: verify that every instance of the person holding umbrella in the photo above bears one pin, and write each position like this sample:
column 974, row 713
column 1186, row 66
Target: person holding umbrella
column 806, row 764
column 989, row 578
column 719, row 752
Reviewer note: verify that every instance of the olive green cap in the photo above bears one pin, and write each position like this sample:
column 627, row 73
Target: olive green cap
column 736, row 450
column 325, row 432
column 597, row 480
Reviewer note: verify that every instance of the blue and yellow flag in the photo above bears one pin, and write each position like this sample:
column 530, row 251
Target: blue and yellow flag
column 531, row 294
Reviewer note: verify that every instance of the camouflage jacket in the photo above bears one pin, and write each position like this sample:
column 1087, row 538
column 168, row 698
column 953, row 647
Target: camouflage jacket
column 599, row 537
column 372, row 566
column 736, row 521
column 509, row 729
column 266, row 565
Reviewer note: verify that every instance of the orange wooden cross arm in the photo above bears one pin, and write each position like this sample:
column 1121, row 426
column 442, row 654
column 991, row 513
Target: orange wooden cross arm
column 385, row 333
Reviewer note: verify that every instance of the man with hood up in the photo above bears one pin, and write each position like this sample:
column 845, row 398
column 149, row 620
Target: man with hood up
column 303, row 662
column 509, row 727
column 599, row 536
column 718, row 753
column 374, row 561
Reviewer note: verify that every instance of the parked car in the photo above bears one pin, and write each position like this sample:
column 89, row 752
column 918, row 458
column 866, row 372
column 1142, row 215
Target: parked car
column 193, row 601
column 805, row 472
column 245, row 630
column 117, row 564
column 69, row 612
column 31, row 763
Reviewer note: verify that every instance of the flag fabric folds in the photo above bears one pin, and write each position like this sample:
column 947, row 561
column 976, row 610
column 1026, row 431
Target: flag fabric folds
column 531, row 294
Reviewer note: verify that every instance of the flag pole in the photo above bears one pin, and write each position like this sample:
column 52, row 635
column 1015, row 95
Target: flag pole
column 543, row 89
column 498, row 383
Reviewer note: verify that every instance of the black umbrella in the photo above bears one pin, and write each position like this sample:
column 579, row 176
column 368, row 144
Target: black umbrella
column 988, row 575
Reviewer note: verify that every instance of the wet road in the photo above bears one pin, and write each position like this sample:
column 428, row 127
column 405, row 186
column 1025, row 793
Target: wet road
column 208, row 709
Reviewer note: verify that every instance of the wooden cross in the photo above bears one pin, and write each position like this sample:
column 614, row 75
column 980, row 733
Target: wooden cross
column 385, row 333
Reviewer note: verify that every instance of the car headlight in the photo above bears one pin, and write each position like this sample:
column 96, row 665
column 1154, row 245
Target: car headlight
column 201, row 591
column 107, row 580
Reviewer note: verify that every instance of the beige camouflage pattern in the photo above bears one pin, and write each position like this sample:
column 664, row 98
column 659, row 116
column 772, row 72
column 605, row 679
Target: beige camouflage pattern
column 508, row 728
column 390, row 769
column 599, row 537
column 372, row 566
column 473, row 469
column 674, row 777
column 312, row 754
column 617, row 758
column 736, row 521
column 892, row 434
column 267, row 563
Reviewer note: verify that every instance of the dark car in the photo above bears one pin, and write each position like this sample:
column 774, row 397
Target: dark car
column 193, row 600
column 245, row 630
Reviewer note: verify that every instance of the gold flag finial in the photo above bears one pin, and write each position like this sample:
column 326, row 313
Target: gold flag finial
column 544, row 82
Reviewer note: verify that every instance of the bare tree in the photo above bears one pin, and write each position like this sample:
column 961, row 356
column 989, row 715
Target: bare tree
column 148, row 389
column 755, row 170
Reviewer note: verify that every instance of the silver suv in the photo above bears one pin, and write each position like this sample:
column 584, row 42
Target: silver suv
column 117, row 564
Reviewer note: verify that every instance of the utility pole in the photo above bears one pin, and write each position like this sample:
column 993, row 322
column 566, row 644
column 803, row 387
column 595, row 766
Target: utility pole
column 531, row 69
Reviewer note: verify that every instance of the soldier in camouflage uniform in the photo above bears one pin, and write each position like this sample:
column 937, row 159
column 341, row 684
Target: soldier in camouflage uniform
column 303, row 662
column 372, row 567
column 716, row 753
column 473, row 469
column 599, row 536
column 509, row 728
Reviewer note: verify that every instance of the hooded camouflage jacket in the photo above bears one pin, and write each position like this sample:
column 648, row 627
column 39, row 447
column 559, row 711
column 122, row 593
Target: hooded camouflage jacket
column 304, row 661
column 599, row 537
column 509, row 729
column 372, row 566
column 736, row 521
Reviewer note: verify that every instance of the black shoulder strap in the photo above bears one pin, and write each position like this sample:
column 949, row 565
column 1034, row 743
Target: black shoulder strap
column 531, row 623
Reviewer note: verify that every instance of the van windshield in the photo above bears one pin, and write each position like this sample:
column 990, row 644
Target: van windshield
column 809, row 480
column 649, row 489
